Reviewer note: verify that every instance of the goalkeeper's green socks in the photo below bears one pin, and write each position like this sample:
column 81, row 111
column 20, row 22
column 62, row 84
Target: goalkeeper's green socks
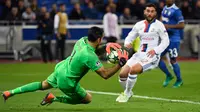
column 67, row 99
column 50, row 98
column 27, row 88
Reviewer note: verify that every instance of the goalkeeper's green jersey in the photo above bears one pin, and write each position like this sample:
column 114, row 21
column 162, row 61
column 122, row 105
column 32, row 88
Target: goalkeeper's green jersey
column 82, row 59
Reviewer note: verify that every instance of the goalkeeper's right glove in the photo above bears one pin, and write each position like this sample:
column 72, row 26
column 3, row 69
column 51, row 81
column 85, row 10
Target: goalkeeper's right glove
column 123, row 57
column 114, row 46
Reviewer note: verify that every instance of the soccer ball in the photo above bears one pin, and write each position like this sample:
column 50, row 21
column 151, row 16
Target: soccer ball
column 112, row 57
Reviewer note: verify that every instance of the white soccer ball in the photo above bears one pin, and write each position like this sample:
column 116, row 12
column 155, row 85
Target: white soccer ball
column 112, row 57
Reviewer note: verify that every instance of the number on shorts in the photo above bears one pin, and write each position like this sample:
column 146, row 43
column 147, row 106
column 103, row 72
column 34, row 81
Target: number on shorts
column 173, row 53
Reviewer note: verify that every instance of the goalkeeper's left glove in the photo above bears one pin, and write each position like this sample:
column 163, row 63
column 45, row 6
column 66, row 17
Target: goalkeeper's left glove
column 123, row 57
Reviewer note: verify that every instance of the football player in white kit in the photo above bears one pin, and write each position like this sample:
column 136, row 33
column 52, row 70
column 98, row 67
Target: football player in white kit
column 153, row 41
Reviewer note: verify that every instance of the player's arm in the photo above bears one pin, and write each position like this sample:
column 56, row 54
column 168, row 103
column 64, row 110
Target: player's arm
column 108, row 72
column 181, row 31
column 133, row 34
column 180, row 25
column 164, row 40
column 94, row 64
column 179, row 17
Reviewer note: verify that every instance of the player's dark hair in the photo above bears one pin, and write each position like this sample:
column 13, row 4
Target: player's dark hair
column 151, row 5
column 94, row 33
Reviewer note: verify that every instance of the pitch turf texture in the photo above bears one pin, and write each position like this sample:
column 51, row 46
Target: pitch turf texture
column 148, row 84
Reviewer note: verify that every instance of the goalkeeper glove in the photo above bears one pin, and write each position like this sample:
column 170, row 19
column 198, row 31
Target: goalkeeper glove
column 123, row 57
column 114, row 46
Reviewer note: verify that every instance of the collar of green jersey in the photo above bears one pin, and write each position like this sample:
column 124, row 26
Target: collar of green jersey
column 86, row 41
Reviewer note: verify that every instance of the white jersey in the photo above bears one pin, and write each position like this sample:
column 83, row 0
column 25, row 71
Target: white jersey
column 152, row 36
column 110, row 24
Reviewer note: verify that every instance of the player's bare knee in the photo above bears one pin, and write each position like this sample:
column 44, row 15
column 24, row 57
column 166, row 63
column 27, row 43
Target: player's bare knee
column 124, row 72
column 123, row 75
column 45, row 85
column 136, row 69
column 87, row 99
column 87, row 102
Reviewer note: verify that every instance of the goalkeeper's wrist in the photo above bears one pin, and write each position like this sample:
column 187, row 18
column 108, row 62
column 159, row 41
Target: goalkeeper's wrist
column 119, row 65
column 122, row 62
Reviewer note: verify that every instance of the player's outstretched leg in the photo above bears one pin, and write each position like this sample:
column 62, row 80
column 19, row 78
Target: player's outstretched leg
column 132, row 78
column 6, row 95
column 169, row 77
column 123, row 80
column 127, row 94
column 68, row 99
column 179, row 81
column 31, row 87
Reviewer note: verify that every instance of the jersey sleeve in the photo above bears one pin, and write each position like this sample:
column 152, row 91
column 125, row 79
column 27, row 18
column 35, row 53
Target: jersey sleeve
column 93, row 62
column 179, row 17
column 133, row 34
column 164, row 39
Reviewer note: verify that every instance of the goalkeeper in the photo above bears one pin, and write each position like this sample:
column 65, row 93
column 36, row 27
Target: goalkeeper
column 69, row 72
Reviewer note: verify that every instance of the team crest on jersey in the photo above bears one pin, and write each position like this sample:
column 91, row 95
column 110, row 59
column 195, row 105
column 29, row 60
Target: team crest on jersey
column 169, row 13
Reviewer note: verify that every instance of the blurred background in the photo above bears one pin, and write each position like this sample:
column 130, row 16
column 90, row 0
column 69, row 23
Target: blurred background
column 23, row 23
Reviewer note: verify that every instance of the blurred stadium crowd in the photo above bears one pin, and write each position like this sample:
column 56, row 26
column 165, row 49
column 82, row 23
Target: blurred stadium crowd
column 32, row 10
column 41, row 13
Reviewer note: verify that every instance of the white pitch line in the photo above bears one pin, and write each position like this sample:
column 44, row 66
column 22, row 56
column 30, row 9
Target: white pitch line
column 147, row 97
column 138, row 96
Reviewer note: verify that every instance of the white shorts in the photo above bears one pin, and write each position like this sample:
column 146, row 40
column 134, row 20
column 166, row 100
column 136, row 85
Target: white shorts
column 146, row 62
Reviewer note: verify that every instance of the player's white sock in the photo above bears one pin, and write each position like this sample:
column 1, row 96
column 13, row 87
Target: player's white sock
column 130, row 83
column 123, row 81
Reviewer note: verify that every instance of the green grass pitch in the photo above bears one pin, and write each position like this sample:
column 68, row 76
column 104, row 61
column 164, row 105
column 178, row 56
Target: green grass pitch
column 148, row 84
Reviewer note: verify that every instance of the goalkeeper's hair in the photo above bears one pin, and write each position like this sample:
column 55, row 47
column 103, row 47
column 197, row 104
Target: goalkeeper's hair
column 94, row 33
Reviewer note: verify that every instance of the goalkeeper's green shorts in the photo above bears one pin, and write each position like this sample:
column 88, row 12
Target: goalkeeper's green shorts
column 67, row 86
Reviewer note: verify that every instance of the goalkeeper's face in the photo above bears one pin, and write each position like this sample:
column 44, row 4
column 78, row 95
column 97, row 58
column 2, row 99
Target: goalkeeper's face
column 150, row 13
column 99, row 41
